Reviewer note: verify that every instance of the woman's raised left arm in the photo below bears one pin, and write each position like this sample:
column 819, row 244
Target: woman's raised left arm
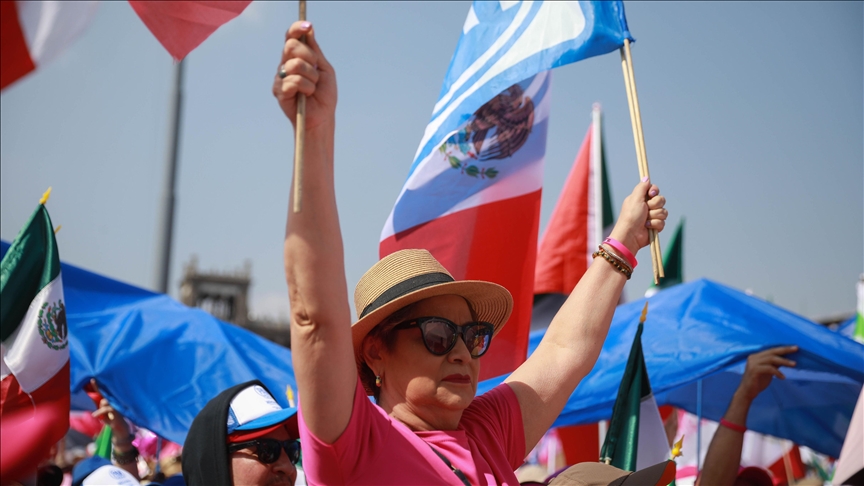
column 572, row 344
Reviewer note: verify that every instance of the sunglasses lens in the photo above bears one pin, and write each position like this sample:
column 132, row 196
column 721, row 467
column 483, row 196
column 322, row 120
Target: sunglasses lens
column 477, row 338
column 268, row 450
column 293, row 451
column 438, row 335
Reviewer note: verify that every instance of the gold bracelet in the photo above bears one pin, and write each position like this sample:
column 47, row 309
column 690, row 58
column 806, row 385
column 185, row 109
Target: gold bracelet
column 601, row 252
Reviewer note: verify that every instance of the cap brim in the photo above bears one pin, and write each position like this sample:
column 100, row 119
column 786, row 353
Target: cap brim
column 269, row 420
column 490, row 302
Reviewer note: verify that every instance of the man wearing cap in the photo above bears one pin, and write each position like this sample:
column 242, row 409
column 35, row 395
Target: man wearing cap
column 242, row 437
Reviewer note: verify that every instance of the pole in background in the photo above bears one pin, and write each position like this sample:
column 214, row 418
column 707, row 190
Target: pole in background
column 166, row 226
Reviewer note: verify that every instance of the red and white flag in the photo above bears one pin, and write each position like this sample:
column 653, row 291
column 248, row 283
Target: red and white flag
column 581, row 219
column 35, row 33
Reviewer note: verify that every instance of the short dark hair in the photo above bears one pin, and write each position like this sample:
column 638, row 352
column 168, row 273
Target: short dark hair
column 381, row 333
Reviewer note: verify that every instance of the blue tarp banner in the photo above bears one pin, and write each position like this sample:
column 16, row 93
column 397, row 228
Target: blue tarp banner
column 704, row 331
column 157, row 361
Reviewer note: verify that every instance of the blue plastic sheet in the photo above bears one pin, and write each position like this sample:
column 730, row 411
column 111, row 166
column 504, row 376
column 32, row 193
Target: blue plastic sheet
column 157, row 361
column 704, row 331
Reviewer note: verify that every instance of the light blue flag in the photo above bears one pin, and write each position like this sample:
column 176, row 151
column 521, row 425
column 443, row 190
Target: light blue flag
column 503, row 43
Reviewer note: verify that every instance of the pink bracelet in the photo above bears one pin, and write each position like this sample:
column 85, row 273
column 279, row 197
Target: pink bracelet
column 622, row 250
column 735, row 427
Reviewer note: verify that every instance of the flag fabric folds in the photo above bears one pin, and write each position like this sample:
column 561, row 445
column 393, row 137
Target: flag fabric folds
column 636, row 438
column 157, row 361
column 35, row 33
column 181, row 26
column 34, row 336
column 472, row 196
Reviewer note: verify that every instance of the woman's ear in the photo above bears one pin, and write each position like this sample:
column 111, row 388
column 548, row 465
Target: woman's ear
column 371, row 349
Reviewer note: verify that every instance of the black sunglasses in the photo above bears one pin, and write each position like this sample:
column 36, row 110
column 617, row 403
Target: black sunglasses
column 439, row 335
column 269, row 450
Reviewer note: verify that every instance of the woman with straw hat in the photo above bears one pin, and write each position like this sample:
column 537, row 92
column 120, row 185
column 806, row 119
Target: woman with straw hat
column 420, row 334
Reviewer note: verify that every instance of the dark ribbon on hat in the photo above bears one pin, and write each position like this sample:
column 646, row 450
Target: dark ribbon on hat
column 406, row 287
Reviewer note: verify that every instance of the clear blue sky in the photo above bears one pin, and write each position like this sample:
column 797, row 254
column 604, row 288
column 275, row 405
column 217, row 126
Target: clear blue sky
column 752, row 112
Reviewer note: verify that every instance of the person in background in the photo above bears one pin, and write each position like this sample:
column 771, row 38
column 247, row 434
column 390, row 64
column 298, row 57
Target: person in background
column 242, row 437
column 124, row 454
column 722, row 461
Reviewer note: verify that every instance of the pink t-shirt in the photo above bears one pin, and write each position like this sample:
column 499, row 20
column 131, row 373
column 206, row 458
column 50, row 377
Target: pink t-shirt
column 488, row 446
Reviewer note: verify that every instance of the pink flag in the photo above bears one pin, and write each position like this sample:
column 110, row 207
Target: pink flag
column 181, row 26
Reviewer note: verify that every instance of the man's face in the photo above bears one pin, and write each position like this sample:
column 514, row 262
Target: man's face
column 246, row 470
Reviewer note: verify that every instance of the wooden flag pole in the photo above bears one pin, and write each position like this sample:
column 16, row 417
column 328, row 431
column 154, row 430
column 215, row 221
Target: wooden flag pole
column 641, row 155
column 300, row 133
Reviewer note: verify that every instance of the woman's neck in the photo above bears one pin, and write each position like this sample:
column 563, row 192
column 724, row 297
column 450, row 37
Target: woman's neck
column 421, row 418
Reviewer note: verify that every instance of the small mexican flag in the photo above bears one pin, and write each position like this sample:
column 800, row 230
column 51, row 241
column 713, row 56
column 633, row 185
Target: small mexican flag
column 673, row 262
column 34, row 346
column 636, row 437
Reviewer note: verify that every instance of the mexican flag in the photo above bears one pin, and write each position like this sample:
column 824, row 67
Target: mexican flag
column 673, row 262
column 581, row 218
column 636, row 437
column 34, row 346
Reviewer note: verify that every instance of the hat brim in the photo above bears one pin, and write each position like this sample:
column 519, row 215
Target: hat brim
column 490, row 302
column 659, row 474
column 269, row 420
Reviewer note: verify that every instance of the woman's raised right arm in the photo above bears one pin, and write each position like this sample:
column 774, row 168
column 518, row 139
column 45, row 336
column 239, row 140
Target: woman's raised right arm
column 323, row 356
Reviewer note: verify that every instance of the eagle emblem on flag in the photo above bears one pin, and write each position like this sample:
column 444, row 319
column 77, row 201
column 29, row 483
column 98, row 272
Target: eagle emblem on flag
column 52, row 325
column 495, row 131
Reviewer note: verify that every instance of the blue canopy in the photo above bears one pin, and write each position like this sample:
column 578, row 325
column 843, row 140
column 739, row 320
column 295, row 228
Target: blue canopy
column 157, row 361
column 704, row 331
column 848, row 328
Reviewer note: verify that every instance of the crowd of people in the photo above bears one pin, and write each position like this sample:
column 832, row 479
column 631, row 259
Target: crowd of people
column 390, row 398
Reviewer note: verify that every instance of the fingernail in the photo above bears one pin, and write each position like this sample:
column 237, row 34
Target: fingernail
column 645, row 179
column 652, row 193
column 647, row 224
column 306, row 25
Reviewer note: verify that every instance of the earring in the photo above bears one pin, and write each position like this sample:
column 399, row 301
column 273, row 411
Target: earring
column 378, row 381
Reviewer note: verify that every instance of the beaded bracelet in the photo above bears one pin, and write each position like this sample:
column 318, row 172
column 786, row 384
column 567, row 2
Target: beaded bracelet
column 618, row 258
column 601, row 252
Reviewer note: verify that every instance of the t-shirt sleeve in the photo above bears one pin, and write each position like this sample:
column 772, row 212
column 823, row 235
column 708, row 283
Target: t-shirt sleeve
column 497, row 416
column 360, row 443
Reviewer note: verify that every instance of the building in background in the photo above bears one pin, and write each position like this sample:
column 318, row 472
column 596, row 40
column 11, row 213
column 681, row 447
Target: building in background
column 225, row 295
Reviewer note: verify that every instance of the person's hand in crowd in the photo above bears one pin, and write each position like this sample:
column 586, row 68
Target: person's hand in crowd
column 761, row 368
column 304, row 69
column 642, row 210
column 112, row 418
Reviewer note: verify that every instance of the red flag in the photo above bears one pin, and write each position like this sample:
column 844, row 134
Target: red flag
column 581, row 217
column 181, row 26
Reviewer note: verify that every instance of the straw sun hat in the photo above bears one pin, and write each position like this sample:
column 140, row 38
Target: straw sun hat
column 408, row 276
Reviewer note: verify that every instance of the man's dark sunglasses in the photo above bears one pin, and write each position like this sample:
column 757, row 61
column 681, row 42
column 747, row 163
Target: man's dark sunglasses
column 269, row 450
column 439, row 334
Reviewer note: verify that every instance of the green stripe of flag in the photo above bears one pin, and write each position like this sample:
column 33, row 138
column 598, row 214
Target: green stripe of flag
column 29, row 265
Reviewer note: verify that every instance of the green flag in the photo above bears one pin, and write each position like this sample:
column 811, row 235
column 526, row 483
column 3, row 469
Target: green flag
column 673, row 262
column 636, row 437
column 858, row 335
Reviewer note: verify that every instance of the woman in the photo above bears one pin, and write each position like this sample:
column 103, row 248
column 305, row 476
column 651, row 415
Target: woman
column 419, row 334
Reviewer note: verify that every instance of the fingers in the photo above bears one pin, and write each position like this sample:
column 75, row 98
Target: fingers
column 656, row 202
column 298, row 29
column 301, row 68
column 781, row 350
column 641, row 189
column 656, row 224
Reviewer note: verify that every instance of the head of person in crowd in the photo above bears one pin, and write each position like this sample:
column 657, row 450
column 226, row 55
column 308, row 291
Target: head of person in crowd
column 242, row 437
column 600, row 474
column 97, row 470
column 753, row 476
column 420, row 332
